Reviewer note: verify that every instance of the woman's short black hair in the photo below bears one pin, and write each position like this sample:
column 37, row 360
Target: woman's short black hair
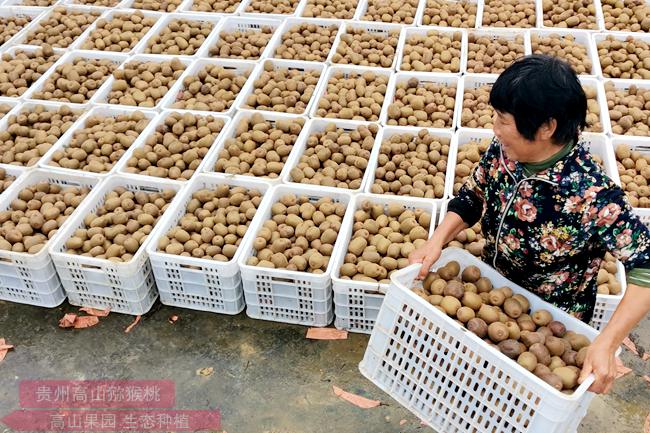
column 537, row 88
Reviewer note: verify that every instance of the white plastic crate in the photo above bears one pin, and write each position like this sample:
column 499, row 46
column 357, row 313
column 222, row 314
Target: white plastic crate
column 581, row 38
column 318, row 125
column 23, row 37
column 594, row 82
column 12, row 170
column 245, row 4
column 188, row 6
column 167, row 19
column 598, row 144
column 197, row 283
column 116, row 12
column 20, row 11
column 479, row 14
column 27, row 106
column 387, row 132
column 642, row 145
column 607, row 304
column 288, row 23
column 423, row 78
column 625, row 86
column 461, row 137
column 510, row 34
column 103, row 278
column 303, row 6
column 12, row 103
column 232, row 24
column 102, row 95
column 479, row 18
column 31, row 278
column 600, row 24
column 26, row 49
column 381, row 29
column 450, row 378
column 362, row 9
column 602, row 18
column 104, row 111
column 130, row 5
column 284, row 64
column 288, row 296
column 212, row 157
column 357, row 303
column 423, row 31
column 239, row 67
column 118, row 4
column 142, row 139
column 346, row 71
column 118, row 305
column 470, row 81
column 69, row 58
column 620, row 36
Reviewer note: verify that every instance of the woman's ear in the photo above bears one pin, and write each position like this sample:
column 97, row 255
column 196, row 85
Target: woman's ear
column 546, row 131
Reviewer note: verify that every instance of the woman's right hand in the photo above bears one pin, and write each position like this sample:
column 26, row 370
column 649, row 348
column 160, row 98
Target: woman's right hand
column 427, row 254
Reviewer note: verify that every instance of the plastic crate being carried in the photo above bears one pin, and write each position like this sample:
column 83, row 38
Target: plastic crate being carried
column 453, row 380
column 198, row 283
column 357, row 303
column 126, row 283
column 641, row 145
column 31, row 278
column 283, row 295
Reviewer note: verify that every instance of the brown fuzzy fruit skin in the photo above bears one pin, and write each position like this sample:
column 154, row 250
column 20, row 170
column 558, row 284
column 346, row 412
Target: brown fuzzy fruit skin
column 529, row 338
column 542, row 317
column 541, row 352
column 498, row 332
column 465, row 314
column 510, row 348
column 527, row 360
column 471, row 274
column 541, row 369
column 580, row 357
column 555, row 346
column 578, row 341
column 454, row 288
column 488, row 314
column 472, row 300
column 569, row 357
column 512, row 307
column 557, row 328
column 478, row 327
column 568, row 375
column 553, row 379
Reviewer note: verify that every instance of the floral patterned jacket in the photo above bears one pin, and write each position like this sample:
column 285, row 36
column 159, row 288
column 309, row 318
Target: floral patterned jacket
column 549, row 232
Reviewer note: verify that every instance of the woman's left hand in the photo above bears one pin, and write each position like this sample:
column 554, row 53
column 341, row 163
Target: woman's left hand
column 601, row 361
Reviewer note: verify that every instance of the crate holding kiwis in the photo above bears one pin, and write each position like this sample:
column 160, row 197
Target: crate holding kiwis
column 505, row 321
column 61, row 27
column 634, row 171
column 629, row 108
column 21, row 68
column 450, row 13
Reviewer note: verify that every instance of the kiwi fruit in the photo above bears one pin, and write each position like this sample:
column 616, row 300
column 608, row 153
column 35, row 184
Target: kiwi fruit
column 557, row 328
column 568, row 375
column 465, row 314
column 529, row 338
column 553, row 379
column 545, row 331
column 542, row 317
column 554, row 345
column 526, row 325
column 435, row 299
column 527, row 360
column 578, row 341
column 472, row 300
column 507, row 291
column 525, row 305
column 454, row 288
column 421, row 293
column 449, row 271
column 478, row 327
column 541, row 352
column 483, row 285
column 485, row 297
column 450, row 304
column 569, row 357
column 470, row 287
column 541, row 369
column 438, row 286
column 580, row 357
column 512, row 307
column 556, row 362
column 509, row 347
column 497, row 297
column 498, row 332
column 488, row 314
column 471, row 274
column 428, row 280
column 513, row 329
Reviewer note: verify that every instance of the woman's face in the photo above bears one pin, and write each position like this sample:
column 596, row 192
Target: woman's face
column 515, row 146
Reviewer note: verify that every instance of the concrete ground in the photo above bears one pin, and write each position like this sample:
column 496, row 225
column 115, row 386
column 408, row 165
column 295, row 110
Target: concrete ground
column 267, row 377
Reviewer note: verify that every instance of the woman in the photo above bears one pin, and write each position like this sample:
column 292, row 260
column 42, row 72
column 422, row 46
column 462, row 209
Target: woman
column 548, row 212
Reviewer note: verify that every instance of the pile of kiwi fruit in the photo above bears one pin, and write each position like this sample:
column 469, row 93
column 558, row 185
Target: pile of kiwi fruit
column 503, row 320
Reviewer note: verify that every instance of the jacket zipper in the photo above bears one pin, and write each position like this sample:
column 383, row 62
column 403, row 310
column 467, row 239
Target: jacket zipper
column 509, row 203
